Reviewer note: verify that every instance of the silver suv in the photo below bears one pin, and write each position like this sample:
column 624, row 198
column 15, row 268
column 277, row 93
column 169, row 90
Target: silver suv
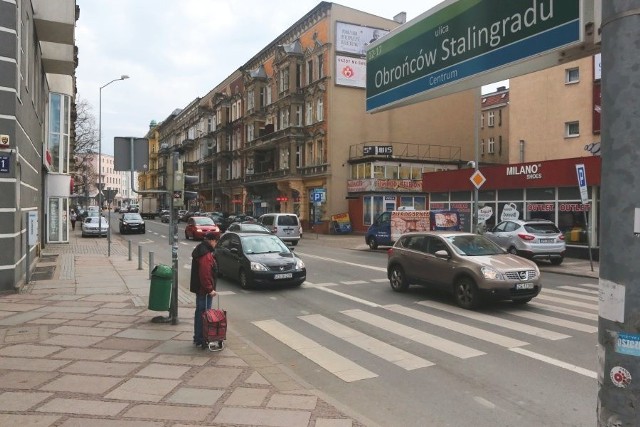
column 284, row 225
column 535, row 239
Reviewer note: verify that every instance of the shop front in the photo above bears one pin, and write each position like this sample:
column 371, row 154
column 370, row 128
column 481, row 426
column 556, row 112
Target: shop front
column 546, row 190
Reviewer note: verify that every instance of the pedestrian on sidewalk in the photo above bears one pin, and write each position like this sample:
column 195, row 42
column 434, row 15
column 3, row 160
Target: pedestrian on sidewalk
column 73, row 217
column 203, row 281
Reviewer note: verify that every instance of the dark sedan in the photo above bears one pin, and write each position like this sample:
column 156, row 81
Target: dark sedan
column 131, row 223
column 256, row 259
column 248, row 227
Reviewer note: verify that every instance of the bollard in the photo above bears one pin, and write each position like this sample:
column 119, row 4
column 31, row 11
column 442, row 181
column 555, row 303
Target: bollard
column 139, row 257
column 129, row 250
column 151, row 263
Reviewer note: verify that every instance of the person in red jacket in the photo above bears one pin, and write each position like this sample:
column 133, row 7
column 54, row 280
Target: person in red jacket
column 203, row 281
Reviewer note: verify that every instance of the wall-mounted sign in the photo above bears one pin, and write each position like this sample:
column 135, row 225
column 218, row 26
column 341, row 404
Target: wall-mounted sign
column 5, row 163
column 377, row 150
column 32, row 228
column 395, row 185
column 353, row 38
column 351, row 71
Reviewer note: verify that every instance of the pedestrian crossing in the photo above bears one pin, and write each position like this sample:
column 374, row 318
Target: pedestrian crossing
column 421, row 327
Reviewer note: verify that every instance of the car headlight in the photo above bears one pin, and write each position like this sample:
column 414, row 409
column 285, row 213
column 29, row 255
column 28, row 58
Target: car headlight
column 299, row 264
column 491, row 273
column 256, row 266
column 125, row 223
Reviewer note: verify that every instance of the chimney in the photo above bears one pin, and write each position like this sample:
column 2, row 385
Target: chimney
column 400, row 18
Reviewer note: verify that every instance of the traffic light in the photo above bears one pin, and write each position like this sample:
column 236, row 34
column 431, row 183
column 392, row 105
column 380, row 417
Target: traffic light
column 189, row 195
column 178, row 189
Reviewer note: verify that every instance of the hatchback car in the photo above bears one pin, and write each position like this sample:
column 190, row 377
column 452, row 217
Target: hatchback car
column 248, row 227
column 256, row 259
column 535, row 239
column 469, row 265
column 284, row 225
column 165, row 216
column 132, row 223
column 95, row 226
column 198, row 226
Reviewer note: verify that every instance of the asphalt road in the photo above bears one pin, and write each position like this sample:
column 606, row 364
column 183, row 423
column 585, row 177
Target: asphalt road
column 415, row 359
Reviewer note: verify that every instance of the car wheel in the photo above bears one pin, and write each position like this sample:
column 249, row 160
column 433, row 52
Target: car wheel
column 244, row 280
column 522, row 300
column 513, row 250
column 557, row 261
column 397, row 279
column 466, row 293
column 372, row 242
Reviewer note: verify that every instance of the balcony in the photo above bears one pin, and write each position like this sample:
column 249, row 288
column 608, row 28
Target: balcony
column 404, row 151
column 314, row 170
column 266, row 176
column 55, row 26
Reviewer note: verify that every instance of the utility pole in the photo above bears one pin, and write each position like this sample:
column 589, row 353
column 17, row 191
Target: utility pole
column 619, row 306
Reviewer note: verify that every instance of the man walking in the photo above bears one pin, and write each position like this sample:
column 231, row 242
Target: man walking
column 203, row 281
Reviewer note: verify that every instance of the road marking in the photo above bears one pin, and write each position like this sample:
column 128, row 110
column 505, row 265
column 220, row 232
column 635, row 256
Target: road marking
column 575, row 288
column 338, row 365
column 354, row 282
column 553, row 320
column 163, row 236
column 556, row 362
column 374, row 346
column 380, row 280
column 184, row 243
column 564, row 310
column 351, row 297
column 589, row 285
column 484, row 402
column 461, row 328
column 565, row 301
column 318, row 285
column 371, row 267
column 492, row 320
column 429, row 340
column 570, row 294
column 186, row 266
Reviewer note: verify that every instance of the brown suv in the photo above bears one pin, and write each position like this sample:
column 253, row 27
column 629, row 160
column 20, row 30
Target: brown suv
column 469, row 265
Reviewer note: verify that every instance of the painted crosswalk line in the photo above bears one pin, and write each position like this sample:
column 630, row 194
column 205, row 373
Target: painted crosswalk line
column 569, row 324
column 570, row 294
column 374, row 346
column 578, row 289
column 556, row 362
column 338, row 365
column 563, row 310
column 566, row 301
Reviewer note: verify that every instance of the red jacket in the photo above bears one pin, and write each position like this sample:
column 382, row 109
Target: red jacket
column 203, row 266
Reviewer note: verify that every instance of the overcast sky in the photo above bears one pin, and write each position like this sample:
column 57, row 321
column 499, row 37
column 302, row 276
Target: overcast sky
column 176, row 51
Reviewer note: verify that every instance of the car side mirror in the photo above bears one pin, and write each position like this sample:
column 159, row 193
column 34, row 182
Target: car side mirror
column 442, row 254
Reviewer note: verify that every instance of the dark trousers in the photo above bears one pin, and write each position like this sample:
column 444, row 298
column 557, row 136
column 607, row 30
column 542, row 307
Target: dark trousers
column 203, row 302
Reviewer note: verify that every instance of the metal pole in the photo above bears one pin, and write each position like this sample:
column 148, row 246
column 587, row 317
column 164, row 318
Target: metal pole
column 174, row 250
column 476, row 143
column 109, row 222
column 139, row 257
column 27, row 258
column 151, row 263
column 618, row 316
column 129, row 250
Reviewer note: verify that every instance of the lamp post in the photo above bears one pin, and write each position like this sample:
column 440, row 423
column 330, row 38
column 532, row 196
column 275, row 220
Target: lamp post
column 100, row 184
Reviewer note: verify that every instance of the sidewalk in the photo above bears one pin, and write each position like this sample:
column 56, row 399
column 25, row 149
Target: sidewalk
column 78, row 348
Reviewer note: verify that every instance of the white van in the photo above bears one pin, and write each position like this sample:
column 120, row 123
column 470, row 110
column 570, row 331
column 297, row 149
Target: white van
column 284, row 225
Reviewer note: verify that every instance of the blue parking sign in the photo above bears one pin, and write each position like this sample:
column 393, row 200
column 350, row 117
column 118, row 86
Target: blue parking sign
column 582, row 183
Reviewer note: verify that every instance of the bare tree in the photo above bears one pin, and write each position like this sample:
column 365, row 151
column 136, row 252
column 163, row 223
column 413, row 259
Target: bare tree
column 84, row 150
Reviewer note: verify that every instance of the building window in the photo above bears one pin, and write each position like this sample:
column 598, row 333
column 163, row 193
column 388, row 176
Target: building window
column 572, row 75
column 482, row 147
column 319, row 109
column 268, row 95
column 250, row 100
column 250, row 132
column 298, row 76
column 492, row 118
column 571, row 129
column 309, row 72
column 284, row 158
column 284, row 118
column 481, row 120
column 59, row 131
column 319, row 152
column 298, row 115
column 491, row 149
column 309, row 116
column 320, row 61
column 298, row 156
column 284, row 80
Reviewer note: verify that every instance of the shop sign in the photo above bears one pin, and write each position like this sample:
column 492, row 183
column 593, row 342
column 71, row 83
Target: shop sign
column 628, row 344
column 509, row 212
column 540, row 207
column 485, row 213
column 573, row 207
column 531, row 171
column 372, row 184
column 461, row 207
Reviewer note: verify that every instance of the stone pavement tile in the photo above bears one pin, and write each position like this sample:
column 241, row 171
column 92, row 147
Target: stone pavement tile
column 333, row 422
column 25, row 380
column 67, row 290
column 231, row 361
column 292, row 402
column 77, row 303
column 18, row 319
column 143, row 389
column 147, row 334
column 157, row 370
column 134, row 357
column 99, row 368
column 213, row 377
column 68, row 316
column 73, row 340
column 107, row 298
column 93, row 422
column 112, row 318
column 262, row 417
column 182, row 360
column 63, row 297
column 86, row 354
column 83, row 323
column 180, row 347
column 17, row 307
column 28, row 420
column 116, row 305
column 196, row 396
column 184, row 336
column 242, row 396
column 15, row 401
column 28, row 350
column 82, row 407
column 126, row 344
column 56, row 309
column 47, row 321
column 113, row 325
column 4, row 314
column 88, row 384
column 169, row 413
column 256, row 378
column 183, row 326
column 82, row 330
column 118, row 289
column 118, row 311
column 23, row 364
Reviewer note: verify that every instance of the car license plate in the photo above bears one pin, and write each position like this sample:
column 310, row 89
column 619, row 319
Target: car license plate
column 283, row 276
column 524, row 286
column 547, row 240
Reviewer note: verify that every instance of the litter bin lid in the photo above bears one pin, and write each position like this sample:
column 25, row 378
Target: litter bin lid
column 162, row 270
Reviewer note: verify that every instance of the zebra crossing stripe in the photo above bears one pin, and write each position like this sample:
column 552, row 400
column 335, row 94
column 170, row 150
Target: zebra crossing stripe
column 589, row 285
column 492, row 320
column 570, row 294
column 554, row 321
column 556, row 362
column 351, row 297
column 575, row 288
column 379, row 280
column 565, row 301
column 457, row 326
column 374, row 346
column 354, row 282
column 338, row 365
column 317, row 285
column 429, row 340
column 564, row 310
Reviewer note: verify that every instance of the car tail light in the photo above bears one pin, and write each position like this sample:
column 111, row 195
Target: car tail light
column 274, row 230
column 526, row 236
column 561, row 237
column 389, row 252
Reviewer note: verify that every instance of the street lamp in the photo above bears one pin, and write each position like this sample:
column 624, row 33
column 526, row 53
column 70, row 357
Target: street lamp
column 100, row 183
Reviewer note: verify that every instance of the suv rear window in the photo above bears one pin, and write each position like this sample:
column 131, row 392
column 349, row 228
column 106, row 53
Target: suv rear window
column 287, row 220
column 541, row 228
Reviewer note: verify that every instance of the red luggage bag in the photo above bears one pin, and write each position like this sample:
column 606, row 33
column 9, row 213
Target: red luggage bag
column 214, row 328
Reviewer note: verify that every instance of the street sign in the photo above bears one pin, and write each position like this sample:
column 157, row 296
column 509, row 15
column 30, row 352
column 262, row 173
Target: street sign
column 582, row 183
column 122, row 154
column 478, row 179
column 5, row 163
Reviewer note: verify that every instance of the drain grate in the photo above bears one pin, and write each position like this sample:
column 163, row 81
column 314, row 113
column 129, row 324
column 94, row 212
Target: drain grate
column 43, row 273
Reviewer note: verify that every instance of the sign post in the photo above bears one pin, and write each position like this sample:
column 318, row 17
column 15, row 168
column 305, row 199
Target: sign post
column 584, row 197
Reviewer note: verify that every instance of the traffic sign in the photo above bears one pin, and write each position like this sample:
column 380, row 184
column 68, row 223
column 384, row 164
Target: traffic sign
column 582, row 183
column 478, row 179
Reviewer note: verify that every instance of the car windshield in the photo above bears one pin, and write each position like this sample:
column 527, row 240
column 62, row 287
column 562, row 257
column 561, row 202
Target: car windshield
column 132, row 217
column 203, row 221
column 261, row 244
column 252, row 227
column 474, row 245
column 541, row 228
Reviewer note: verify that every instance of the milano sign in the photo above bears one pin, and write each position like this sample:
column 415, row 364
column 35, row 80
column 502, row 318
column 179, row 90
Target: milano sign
column 468, row 43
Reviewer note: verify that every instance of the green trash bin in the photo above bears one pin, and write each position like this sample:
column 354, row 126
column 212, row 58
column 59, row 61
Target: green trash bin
column 160, row 291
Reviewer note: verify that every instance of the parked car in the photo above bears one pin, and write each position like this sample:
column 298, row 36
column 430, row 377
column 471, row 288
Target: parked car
column 239, row 217
column 218, row 219
column 94, row 225
column 248, row 227
column 132, row 223
column 535, row 239
column 284, row 225
column 469, row 265
column 198, row 226
column 165, row 216
column 256, row 259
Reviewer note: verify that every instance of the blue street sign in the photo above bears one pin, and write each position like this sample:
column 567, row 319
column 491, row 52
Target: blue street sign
column 582, row 183
column 317, row 197
column 5, row 162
